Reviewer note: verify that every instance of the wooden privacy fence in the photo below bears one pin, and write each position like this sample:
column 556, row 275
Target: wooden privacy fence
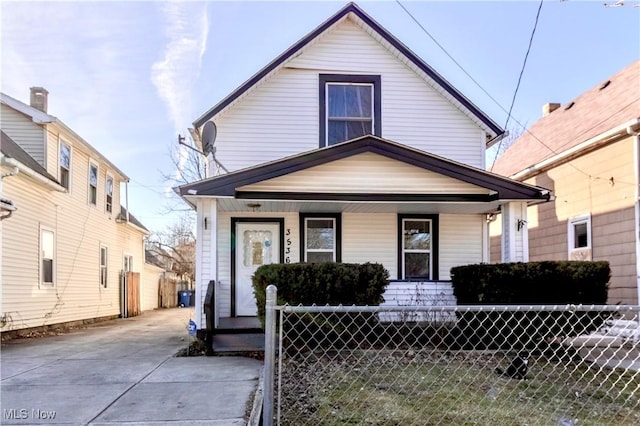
column 167, row 293
column 133, row 294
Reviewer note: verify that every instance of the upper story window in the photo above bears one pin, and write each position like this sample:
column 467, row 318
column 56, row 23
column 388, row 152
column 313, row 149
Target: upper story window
column 64, row 161
column 109, row 194
column 349, row 107
column 93, row 184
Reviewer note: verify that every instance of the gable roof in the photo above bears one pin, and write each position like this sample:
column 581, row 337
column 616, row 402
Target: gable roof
column 227, row 185
column 12, row 150
column 40, row 117
column 607, row 105
column 351, row 9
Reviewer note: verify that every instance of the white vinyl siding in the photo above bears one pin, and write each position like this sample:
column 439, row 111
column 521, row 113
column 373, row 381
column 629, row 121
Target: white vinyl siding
column 371, row 237
column 79, row 230
column 361, row 173
column 460, row 242
column 22, row 130
column 289, row 100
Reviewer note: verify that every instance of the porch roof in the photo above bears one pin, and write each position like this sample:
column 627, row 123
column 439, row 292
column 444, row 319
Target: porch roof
column 498, row 187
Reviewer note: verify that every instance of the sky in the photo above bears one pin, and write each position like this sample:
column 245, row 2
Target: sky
column 130, row 76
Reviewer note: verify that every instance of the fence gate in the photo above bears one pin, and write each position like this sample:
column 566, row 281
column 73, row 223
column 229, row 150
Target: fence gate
column 483, row 365
column 129, row 294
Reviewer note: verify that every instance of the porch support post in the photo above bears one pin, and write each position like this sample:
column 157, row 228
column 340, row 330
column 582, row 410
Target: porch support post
column 515, row 233
column 206, row 256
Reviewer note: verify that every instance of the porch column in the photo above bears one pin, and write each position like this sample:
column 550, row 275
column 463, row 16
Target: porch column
column 515, row 233
column 206, row 255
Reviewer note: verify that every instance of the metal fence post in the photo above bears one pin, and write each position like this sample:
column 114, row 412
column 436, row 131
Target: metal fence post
column 269, row 355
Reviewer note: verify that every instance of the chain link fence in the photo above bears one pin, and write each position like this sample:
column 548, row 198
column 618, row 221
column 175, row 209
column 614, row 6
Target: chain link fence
column 482, row 365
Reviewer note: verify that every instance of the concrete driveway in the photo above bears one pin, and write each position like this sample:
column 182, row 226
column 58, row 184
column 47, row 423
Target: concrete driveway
column 124, row 372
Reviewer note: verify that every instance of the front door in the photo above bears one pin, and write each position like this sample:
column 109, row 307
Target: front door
column 256, row 244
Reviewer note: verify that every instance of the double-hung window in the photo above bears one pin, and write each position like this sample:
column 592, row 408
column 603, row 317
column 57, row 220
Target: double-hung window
column 349, row 107
column 64, row 162
column 104, row 261
column 320, row 237
column 418, row 258
column 93, row 184
column 109, row 194
column 47, row 257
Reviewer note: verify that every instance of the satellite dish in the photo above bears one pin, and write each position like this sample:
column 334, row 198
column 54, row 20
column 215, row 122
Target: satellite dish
column 208, row 137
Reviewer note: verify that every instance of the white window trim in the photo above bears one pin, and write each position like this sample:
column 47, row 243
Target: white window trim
column 41, row 258
column 430, row 251
column 306, row 234
column 93, row 163
column 60, row 143
column 126, row 255
column 571, row 233
column 106, row 267
column 113, row 192
column 326, row 106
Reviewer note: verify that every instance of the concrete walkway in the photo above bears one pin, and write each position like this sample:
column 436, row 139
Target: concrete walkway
column 124, row 372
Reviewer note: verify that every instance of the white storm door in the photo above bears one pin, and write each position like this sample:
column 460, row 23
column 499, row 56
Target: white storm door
column 256, row 244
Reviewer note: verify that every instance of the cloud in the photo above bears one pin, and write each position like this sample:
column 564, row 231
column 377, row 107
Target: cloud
column 174, row 75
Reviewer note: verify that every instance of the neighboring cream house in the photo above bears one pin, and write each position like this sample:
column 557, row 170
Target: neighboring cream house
column 348, row 148
column 587, row 152
column 68, row 240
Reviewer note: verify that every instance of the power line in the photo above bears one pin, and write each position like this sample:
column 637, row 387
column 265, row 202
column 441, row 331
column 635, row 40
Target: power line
column 498, row 103
column 515, row 93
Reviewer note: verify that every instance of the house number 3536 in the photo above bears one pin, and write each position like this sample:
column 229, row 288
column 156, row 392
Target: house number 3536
column 287, row 249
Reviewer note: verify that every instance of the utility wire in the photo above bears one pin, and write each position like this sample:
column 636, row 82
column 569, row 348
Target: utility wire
column 515, row 93
column 492, row 98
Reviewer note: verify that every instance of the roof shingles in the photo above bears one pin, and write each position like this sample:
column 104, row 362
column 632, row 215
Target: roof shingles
column 596, row 111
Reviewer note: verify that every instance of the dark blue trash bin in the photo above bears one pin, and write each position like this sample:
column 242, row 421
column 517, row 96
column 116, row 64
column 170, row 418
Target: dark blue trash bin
column 192, row 298
column 183, row 298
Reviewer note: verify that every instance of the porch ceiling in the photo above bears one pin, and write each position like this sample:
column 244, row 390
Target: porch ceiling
column 284, row 206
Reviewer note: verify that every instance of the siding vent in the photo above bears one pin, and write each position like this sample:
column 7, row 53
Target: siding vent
column 39, row 98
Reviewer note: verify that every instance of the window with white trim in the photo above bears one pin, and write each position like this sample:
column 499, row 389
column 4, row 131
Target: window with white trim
column 47, row 257
column 64, row 165
column 349, row 107
column 418, row 247
column 127, row 263
column 109, row 194
column 93, row 184
column 104, row 262
column 579, row 233
column 320, row 240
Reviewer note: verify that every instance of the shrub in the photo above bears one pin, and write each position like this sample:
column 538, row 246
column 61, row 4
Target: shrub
column 534, row 283
column 324, row 284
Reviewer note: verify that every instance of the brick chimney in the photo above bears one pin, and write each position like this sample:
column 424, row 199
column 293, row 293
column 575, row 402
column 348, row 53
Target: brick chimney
column 39, row 98
column 549, row 108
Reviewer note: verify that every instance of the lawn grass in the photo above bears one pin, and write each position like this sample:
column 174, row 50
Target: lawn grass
column 381, row 387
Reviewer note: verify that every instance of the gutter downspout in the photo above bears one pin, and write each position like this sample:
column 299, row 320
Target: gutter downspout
column 635, row 132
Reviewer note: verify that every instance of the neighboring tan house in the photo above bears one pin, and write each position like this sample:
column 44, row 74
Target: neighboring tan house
column 348, row 148
column 68, row 240
column 587, row 152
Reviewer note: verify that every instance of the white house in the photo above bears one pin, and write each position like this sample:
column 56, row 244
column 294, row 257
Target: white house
column 68, row 240
column 348, row 147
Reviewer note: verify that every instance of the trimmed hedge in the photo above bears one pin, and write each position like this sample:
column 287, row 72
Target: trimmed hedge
column 324, row 284
column 533, row 283
column 321, row 283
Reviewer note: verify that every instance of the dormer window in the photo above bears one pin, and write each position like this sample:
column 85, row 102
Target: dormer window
column 349, row 107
